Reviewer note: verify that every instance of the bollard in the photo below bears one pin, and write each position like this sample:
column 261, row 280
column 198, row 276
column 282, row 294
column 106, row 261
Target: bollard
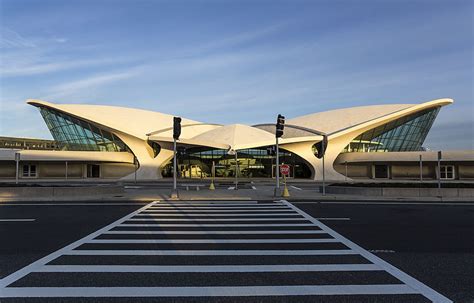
column 285, row 193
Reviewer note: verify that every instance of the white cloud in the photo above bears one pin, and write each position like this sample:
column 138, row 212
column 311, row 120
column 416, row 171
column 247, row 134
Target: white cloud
column 28, row 66
column 73, row 87
column 61, row 40
column 12, row 39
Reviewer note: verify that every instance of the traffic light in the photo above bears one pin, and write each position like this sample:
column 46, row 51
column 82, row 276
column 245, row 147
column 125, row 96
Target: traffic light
column 280, row 125
column 176, row 127
column 321, row 147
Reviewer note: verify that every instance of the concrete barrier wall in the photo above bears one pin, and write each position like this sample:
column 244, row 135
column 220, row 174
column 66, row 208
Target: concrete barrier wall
column 41, row 192
column 362, row 191
column 401, row 192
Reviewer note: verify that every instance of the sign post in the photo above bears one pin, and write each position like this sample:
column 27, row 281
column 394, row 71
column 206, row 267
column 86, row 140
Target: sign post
column 285, row 171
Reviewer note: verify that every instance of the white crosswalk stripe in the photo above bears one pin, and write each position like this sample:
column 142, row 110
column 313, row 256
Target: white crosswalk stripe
column 293, row 258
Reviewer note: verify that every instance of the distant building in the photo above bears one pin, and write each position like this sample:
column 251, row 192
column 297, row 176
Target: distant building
column 94, row 141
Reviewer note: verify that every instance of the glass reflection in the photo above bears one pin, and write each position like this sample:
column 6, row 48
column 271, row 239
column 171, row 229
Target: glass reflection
column 197, row 162
column 404, row 134
column 74, row 134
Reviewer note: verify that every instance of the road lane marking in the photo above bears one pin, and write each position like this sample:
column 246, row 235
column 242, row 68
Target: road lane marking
column 216, row 225
column 138, row 203
column 43, row 261
column 281, row 290
column 212, row 232
column 179, row 211
column 206, row 291
column 216, row 208
column 297, row 188
column 216, row 215
column 223, row 205
column 209, row 268
column 197, row 241
column 386, row 203
column 17, row 220
column 218, row 219
column 334, row 219
column 405, row 278
column 227, row 252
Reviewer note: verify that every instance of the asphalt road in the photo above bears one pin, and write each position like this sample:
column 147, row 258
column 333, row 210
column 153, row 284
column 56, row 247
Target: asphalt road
column 432, row 243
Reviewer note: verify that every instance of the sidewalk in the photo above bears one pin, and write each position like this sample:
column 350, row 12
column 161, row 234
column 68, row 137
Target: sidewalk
column 261, row 193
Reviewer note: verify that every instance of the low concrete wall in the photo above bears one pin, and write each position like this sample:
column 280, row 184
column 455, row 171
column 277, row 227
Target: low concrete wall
column 362, row 191
column 42, row 192
column 400, row 192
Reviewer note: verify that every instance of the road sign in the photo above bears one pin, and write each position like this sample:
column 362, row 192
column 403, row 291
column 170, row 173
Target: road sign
column 285, row 169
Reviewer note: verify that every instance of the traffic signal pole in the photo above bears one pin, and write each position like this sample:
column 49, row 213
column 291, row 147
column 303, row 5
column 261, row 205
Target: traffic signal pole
column 279, row 127
column 174, row 165
column 236, row 172
column 176, row 134
column 324, row 172
column 277, row 168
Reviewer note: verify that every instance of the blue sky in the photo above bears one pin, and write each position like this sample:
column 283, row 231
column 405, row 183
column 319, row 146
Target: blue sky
column 238, row 61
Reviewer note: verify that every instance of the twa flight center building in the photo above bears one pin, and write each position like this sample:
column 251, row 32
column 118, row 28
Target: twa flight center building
column 108, row 142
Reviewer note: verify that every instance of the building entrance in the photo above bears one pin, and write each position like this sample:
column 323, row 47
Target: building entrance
column 197, row 162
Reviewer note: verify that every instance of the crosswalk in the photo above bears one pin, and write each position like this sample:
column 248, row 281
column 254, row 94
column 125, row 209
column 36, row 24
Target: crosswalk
column 217, row 249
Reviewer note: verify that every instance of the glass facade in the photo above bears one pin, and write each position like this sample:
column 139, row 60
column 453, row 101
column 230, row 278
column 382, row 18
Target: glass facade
column 197, row 162
column 71, row 133
column 404, row 134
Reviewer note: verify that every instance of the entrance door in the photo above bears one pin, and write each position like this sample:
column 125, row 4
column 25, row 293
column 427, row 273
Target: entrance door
column 93, row 171
column 381, row 171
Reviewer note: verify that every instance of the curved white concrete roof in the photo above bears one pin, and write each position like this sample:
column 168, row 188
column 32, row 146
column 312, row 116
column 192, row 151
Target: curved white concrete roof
column 141, row 123
column 237, row 136
column 340, row 119
column 341, row 125
column 136, row 122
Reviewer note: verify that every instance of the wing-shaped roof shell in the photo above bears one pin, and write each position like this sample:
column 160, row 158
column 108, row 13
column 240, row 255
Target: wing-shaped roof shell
column 136, row 122
column 340, row 119
column 237, row 136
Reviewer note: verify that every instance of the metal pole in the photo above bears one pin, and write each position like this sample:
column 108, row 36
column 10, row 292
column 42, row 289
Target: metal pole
column 135, row 162
column 174, row 165
column 277, row 168
column 345, row 163
column 324, row 173
column 421, row 168
column 439, row 170
column 236, row 171
column 17, row 160
column 213, row 172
